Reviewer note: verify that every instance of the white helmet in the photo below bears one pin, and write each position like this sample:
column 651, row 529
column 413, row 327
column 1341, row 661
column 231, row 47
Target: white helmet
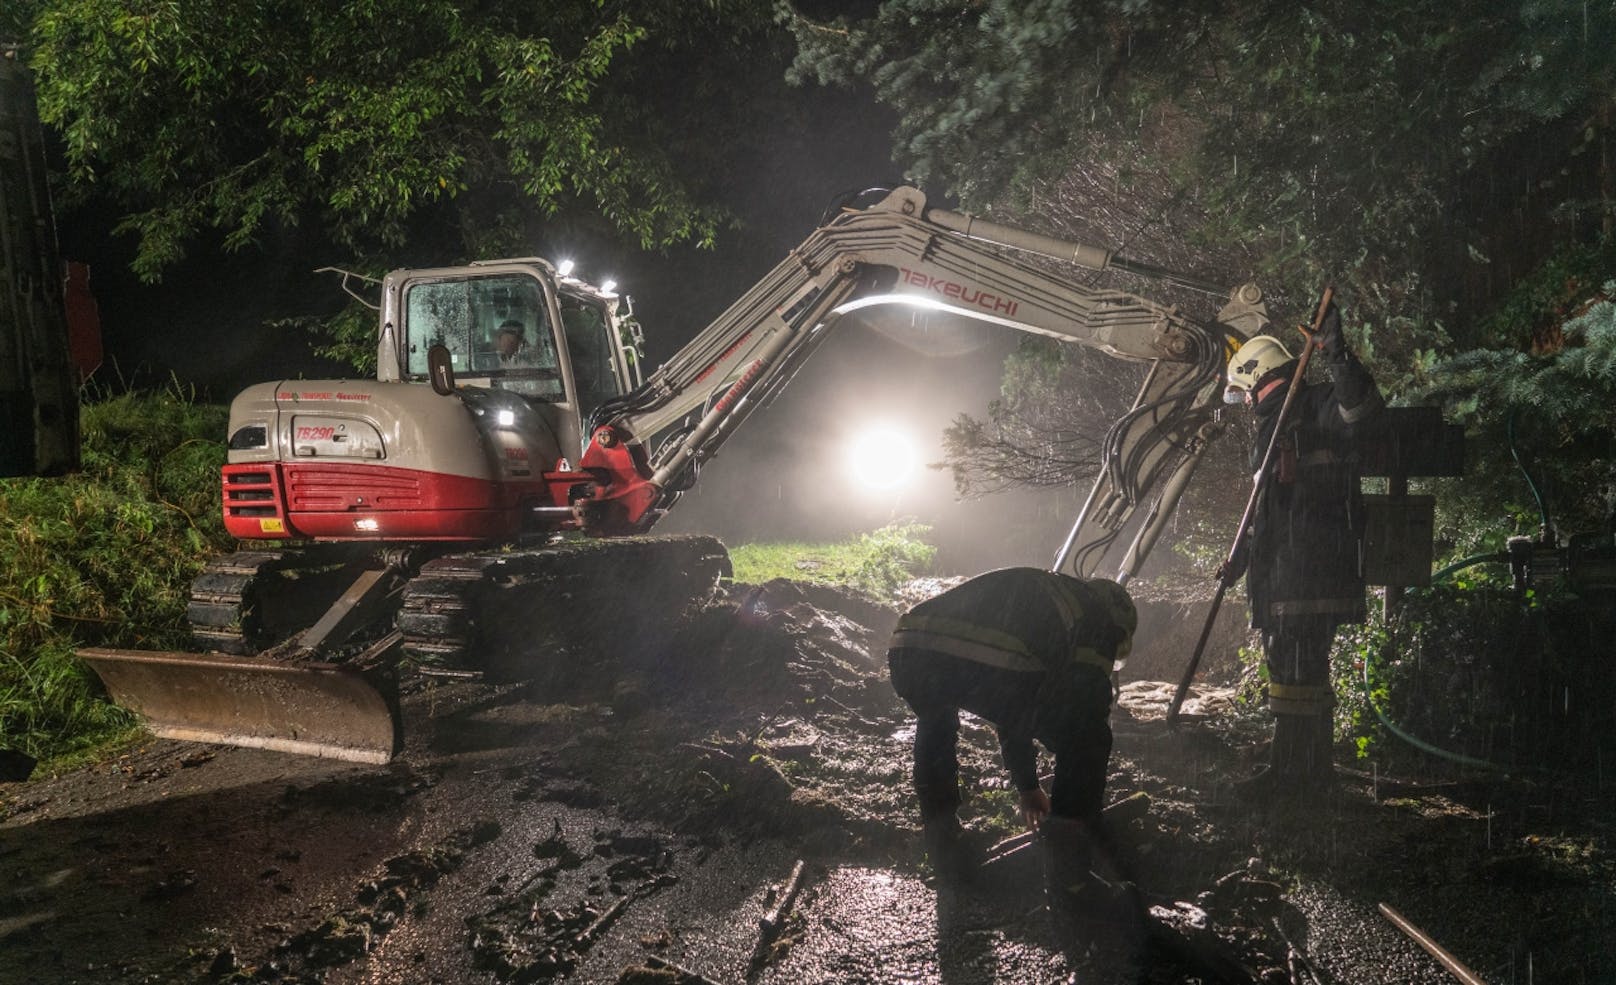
column 1118, row 604
column 1260, row 356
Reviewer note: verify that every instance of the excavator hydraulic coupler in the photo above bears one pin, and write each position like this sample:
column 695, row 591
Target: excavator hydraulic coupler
column 339, row 711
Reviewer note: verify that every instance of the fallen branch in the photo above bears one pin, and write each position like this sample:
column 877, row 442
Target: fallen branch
column 593, row 931
column 686, row 976
column 1432, row 948
column 1296, row 959
column 771, row 922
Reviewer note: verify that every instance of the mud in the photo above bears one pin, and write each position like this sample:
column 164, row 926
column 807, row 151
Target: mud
column 638, row 831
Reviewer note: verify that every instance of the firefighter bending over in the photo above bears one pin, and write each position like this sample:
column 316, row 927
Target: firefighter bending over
column 1031, row 652
column 1304, row 574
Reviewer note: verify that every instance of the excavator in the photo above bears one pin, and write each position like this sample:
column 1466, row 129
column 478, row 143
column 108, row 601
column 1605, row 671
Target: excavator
column 483, row 507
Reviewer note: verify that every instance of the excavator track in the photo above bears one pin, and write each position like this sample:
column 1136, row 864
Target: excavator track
column 554, row 614
column 536, row 613
column 246, row 602
column 222, row 610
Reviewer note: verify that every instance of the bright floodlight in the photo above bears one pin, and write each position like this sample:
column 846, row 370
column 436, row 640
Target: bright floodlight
column 883, row 458
column 564, row 268
column 607, row 286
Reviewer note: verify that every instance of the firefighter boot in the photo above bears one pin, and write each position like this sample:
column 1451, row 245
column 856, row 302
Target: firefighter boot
column 1085, row 910
column 1068, row 854
column 1301, row 751
column 950, row 857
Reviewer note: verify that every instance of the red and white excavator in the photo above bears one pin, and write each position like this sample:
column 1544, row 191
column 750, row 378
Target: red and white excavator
column 482, row 507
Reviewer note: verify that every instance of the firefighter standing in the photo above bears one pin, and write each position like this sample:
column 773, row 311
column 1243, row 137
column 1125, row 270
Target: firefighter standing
column 1031, row 652
column 1303, row 563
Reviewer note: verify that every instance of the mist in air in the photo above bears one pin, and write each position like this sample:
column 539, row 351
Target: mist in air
column 791, row 473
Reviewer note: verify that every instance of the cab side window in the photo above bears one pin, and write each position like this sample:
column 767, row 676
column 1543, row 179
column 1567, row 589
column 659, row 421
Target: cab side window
column 590, row 346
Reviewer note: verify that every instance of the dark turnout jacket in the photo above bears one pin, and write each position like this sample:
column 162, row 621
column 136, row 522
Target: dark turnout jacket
column 1028, row 650
column 1018, row 619
column 1305, row 549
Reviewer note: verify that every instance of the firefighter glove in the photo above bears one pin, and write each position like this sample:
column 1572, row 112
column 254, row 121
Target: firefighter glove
column 1330, row 338
column 1235, row 566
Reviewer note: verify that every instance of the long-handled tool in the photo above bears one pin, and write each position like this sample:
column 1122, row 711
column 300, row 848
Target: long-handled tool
column 1225, row 577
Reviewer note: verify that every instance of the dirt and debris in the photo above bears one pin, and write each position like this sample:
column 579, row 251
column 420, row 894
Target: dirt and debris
column 734, row 806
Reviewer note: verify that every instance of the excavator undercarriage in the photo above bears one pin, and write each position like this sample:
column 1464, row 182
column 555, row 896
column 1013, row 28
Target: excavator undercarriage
column 285, row 672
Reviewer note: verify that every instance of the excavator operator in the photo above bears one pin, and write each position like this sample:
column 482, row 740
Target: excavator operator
column 1031, row 652
column 1302, row 559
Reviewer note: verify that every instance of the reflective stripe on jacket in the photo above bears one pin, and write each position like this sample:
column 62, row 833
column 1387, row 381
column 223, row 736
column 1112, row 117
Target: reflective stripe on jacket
column 1019, row 619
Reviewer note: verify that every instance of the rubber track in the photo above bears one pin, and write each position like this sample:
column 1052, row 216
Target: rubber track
column 513, row 613
column 222, row 607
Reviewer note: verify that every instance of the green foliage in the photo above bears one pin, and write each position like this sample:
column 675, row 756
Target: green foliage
column 103, row 557
column 1377, row 146
column 1538, row 303
column 876, row 562
column 369, row 118
column 966, row 80
column 1541, row 425
column 1481, row 671
column 348, row 336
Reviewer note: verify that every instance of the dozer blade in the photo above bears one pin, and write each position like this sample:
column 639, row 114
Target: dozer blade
column 313, row 709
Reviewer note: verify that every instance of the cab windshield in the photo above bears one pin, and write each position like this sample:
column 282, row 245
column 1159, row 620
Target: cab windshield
column 495, row 327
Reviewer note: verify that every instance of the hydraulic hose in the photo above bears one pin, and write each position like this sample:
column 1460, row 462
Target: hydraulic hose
column 1494, row 557
column 1415, row 741
column 1542, row 508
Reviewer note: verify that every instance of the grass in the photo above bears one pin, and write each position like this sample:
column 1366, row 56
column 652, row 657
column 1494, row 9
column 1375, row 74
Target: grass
column 103, row 557
column 876, row 563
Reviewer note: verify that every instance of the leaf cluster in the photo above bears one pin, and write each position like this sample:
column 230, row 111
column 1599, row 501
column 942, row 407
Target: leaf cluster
column 103, row 557
column 1479, row 670
column 375, row 117
column 1539, row 425
column 1353, row 143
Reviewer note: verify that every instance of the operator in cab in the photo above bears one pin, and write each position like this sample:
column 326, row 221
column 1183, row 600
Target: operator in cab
column 1031, row 652
column 510, row 343
column 1302, row 557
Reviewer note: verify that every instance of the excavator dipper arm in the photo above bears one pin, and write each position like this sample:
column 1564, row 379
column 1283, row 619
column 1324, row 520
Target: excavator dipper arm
column 901, row 251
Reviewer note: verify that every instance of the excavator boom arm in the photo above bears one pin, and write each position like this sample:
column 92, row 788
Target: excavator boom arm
column 901, row 251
